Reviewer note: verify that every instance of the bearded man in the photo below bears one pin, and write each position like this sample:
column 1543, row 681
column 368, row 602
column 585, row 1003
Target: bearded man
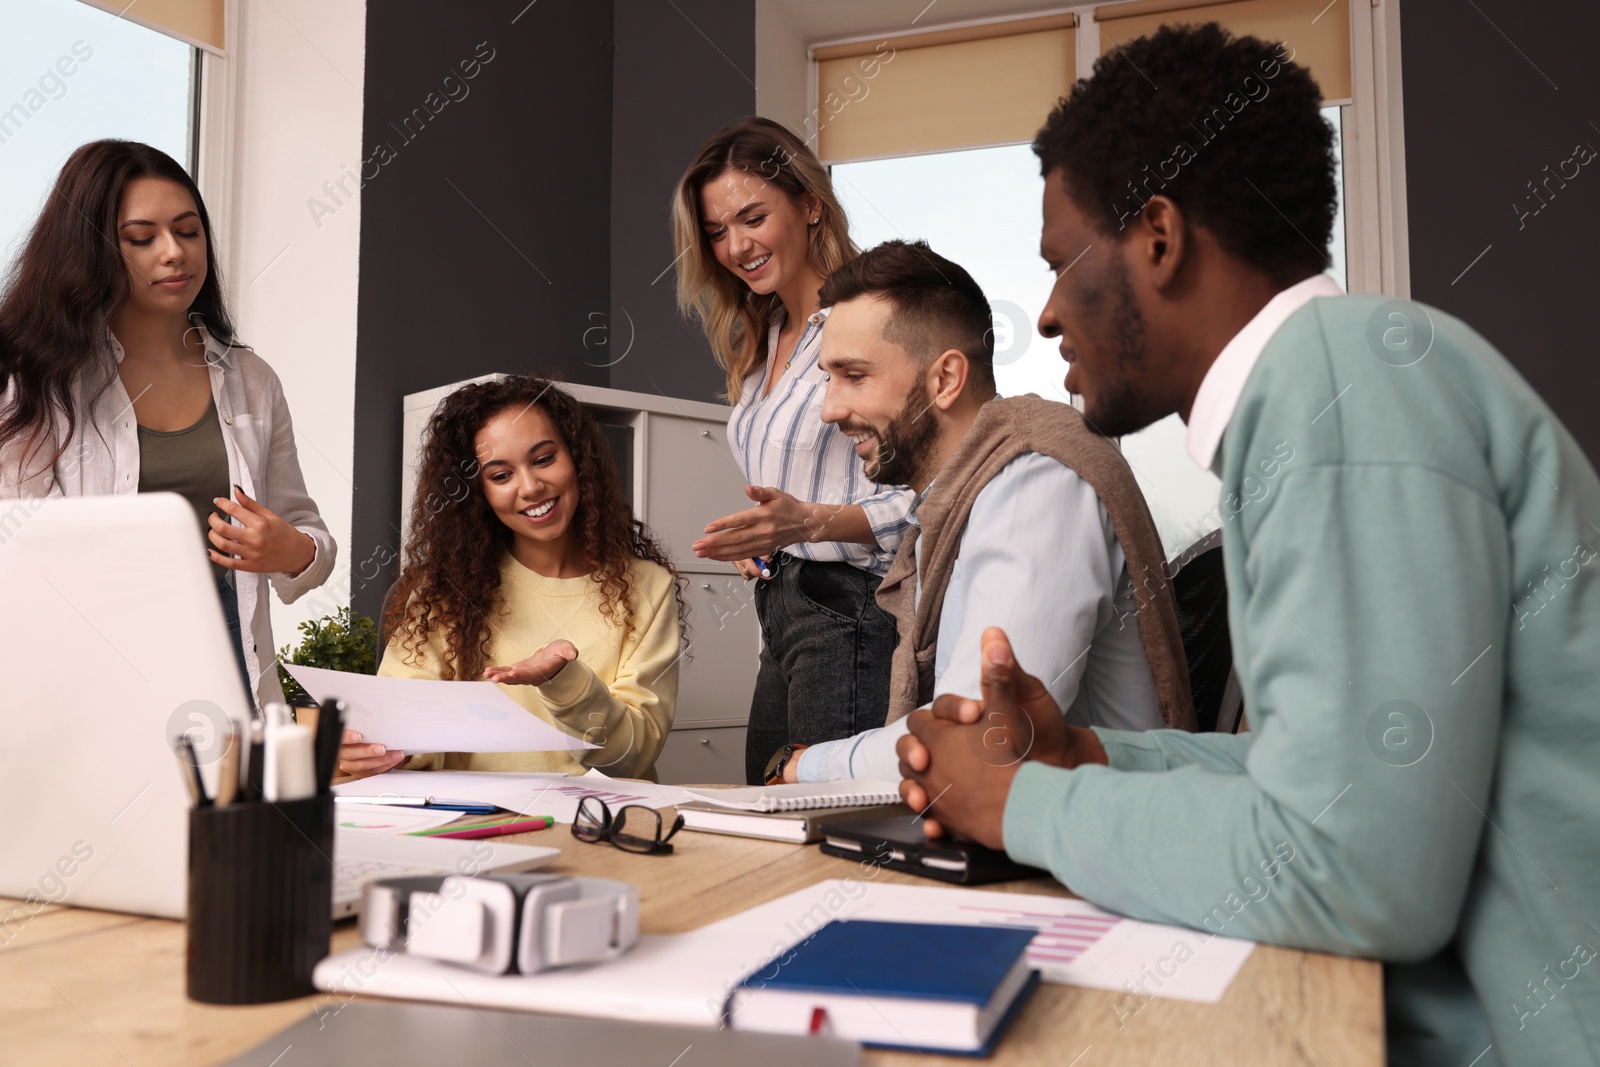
column 1025, row 517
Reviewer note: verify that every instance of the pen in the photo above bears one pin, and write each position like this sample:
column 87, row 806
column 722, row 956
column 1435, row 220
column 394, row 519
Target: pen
column 761, row 566
column 404, row 802
column 189, row 767
column 255, row 764
column 228, row 770
column 328, row 728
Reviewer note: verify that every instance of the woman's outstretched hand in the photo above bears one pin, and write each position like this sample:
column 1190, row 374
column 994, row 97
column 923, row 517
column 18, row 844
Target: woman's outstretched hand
column 778, row 519
column 538, row 668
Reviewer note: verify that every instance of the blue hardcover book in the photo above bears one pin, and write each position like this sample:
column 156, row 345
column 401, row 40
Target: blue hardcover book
column 921, row 986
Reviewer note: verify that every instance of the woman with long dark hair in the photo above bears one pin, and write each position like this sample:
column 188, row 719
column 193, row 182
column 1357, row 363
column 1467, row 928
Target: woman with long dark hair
column 525, row 566
column 120, row 373
column 758, row 229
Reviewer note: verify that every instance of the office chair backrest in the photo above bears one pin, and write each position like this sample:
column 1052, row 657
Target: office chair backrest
column 1201, row 590
column 384, row 631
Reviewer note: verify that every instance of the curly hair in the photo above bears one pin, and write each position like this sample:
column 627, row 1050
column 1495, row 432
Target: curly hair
column 450, row 578
column 1227, row 128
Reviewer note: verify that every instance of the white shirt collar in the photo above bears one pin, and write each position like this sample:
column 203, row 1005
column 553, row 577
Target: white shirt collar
column 1221, row 387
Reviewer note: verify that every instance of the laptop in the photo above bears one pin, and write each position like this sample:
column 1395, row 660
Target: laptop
column 425, row 1035
column 112, row 645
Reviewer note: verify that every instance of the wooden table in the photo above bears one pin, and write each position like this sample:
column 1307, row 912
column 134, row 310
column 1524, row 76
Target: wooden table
column 87, row 988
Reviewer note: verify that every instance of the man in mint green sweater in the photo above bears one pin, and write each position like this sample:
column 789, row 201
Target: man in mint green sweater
column 1412, row 553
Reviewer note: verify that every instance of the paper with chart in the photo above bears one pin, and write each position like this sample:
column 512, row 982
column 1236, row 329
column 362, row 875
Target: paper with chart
column 1077, row 943
column 555, row 795
column 681, row 979
column 388, row 819
column 686, row 978
column 426, row 715
column 558, row 796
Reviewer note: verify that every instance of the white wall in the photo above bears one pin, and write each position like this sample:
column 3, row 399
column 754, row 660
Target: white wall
column 781, row 67
column 296, row 113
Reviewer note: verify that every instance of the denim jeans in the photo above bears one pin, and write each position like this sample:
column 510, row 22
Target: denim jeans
column 825, row 659
column 230, row 614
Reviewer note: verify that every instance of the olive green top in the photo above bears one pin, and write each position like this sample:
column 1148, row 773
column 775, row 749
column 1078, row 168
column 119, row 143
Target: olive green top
column 192, row 462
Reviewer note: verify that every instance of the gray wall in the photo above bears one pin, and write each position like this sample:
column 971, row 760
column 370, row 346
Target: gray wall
column 1483, row 117
column 569, row 141
column 675, row 83
column 511, row 229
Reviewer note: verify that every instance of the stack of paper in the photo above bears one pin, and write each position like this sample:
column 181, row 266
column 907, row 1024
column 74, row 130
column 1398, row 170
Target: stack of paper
column 388, row 819
column 1076, row 943
column 555, row 795
column 420, row 715
column 688, row 978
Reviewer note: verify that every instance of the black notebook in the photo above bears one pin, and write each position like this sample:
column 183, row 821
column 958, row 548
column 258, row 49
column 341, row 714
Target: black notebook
column 900, row 845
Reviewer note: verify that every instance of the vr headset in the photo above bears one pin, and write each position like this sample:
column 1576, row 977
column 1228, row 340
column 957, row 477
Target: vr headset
column 502, row 923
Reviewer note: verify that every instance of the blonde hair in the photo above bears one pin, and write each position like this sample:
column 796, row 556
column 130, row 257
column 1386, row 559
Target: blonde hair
column 734, row 317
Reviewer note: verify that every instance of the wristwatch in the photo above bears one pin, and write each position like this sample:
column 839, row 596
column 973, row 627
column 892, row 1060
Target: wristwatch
column 775, row 766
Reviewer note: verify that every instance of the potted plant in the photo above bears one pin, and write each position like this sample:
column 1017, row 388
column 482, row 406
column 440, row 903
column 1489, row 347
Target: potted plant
column 343, row 641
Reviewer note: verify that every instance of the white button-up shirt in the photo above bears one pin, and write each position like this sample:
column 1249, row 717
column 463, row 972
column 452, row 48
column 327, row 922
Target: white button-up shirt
column 1223, row 384
column 102, row 458
column 780, row 440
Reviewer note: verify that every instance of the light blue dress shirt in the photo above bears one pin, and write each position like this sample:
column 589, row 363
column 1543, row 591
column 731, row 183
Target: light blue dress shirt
column 1040, row 559
column 779, row 439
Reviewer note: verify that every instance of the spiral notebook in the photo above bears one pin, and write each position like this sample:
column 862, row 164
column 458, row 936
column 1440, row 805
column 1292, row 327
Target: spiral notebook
column 850, row 793
column 795, row 827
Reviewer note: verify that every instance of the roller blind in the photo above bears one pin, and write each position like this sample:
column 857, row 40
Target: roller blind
column 1318, row 31
column 941, row 91
column 194, row 22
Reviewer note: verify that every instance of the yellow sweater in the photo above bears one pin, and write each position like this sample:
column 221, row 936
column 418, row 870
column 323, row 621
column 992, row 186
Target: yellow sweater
column 619, row 693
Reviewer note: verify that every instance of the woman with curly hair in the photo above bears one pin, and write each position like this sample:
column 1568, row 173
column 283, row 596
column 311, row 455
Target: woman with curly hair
column 525, row 567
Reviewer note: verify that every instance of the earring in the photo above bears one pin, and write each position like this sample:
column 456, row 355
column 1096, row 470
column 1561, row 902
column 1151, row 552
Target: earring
column 816, row 220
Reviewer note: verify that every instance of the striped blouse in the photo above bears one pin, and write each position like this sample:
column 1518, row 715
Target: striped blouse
column 780, row 440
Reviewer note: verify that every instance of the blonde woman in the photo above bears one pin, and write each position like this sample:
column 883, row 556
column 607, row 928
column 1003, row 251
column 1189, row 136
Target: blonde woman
column 758, row 230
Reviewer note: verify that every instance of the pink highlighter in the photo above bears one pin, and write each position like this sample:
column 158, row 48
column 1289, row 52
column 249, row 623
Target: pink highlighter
column 520, row 826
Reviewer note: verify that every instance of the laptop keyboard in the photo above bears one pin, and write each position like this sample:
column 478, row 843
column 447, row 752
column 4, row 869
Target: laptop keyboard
column 350, row 875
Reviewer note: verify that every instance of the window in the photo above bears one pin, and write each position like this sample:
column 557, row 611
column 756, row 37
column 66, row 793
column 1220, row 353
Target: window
column 981, row 208
column 974, row 191
column 75, row 73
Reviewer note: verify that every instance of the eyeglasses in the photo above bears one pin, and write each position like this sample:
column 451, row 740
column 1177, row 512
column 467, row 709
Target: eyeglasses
column 632, row 829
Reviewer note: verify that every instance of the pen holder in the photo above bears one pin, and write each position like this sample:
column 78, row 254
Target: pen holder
column 260, row 899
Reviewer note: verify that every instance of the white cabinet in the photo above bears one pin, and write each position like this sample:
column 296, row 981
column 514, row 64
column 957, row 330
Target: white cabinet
column 719, row 672
column 703, row 757
column 682, row 476
column 689, row 478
